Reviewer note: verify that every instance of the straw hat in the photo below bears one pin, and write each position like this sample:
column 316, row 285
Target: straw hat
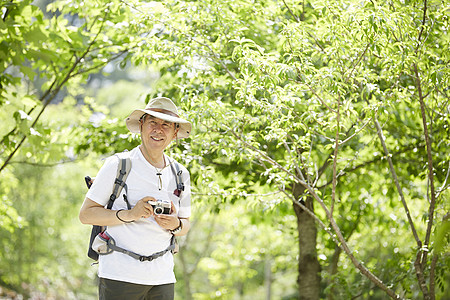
column 161, row 108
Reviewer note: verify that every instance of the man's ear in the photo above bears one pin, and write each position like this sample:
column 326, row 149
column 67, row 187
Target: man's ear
column 141, row 122
column 177, row 127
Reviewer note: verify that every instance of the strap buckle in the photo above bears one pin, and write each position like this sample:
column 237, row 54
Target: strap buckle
column 119, row 182
column 145, row 258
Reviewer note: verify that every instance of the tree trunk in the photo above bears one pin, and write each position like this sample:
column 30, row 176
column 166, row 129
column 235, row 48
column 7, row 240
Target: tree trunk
column 186, row 276
column 308, row 265
column 333, row 269
column 268, row 278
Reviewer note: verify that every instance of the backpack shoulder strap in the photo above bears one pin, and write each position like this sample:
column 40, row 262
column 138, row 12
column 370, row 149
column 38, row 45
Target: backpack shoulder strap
column 123, row 169
column 180, row 185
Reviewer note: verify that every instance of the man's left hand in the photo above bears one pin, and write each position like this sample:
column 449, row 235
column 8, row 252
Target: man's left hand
column 169, row 222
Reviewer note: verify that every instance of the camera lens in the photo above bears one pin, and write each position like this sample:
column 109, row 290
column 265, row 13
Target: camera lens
column 158, row 210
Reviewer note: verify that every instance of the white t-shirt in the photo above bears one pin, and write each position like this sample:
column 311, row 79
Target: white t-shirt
column 143, row 236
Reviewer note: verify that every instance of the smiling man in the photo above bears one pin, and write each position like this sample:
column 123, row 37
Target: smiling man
column 143, row 233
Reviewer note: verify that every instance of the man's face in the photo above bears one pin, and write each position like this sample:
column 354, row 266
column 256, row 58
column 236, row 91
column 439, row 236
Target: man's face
column 156, row 133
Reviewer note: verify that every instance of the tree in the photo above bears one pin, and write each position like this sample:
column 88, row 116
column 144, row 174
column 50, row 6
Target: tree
column 342, row 106
column 46, row 55
column 309, row 93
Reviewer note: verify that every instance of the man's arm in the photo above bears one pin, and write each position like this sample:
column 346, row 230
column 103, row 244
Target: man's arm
column 172, row 221
column 95, row 214
column 185, row 227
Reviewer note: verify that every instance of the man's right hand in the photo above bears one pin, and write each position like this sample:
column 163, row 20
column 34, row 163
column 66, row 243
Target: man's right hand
column 95, row 214
column 142, row 209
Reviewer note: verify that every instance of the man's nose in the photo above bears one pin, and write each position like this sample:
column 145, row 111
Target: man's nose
column 157, row 127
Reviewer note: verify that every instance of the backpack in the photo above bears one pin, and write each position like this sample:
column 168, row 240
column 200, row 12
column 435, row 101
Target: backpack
column 123, row 169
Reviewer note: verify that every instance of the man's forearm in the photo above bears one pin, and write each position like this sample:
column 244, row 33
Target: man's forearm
column 186, row 225
column 94, row 214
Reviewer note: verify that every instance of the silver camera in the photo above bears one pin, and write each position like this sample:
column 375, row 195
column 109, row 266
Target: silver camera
column 160, row 207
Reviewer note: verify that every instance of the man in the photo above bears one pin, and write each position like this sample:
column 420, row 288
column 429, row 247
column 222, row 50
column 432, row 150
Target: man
column 140, row 229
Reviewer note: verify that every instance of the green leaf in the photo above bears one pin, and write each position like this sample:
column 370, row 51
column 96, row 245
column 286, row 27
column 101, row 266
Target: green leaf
column 442, row 236
column 28, row 72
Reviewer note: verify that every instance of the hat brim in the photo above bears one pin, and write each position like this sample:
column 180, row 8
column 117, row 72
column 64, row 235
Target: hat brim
column 133, row 124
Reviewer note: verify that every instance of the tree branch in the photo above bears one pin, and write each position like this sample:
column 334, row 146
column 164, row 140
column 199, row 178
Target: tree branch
column 359, row 60
column 51, row 93
column 326, row 162
column 423, row 21
column 432, row 193
column 444, row 184
column 396, row 182
column 291, row 12
column 7, row 11
column 366, row 272
column 299, row 171
column 336, row 147
column 47, row 165
column 377, row 159
column 417, row 264
column 355, row 133
column 314, row 92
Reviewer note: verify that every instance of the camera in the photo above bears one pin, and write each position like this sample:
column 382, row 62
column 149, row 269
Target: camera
column 160, row 207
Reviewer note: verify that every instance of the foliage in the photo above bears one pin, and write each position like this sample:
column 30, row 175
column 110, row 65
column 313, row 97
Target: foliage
column 343, row 103
column 226, row 256
column 323, row 101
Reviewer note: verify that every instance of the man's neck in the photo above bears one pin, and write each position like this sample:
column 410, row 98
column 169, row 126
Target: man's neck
column 155, row 159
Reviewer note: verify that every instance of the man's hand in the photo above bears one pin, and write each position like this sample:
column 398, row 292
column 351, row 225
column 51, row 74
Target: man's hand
column 142, row 209
column 169, row 222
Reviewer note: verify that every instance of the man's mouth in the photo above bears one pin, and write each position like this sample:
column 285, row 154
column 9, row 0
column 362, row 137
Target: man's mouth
column 156, row 138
